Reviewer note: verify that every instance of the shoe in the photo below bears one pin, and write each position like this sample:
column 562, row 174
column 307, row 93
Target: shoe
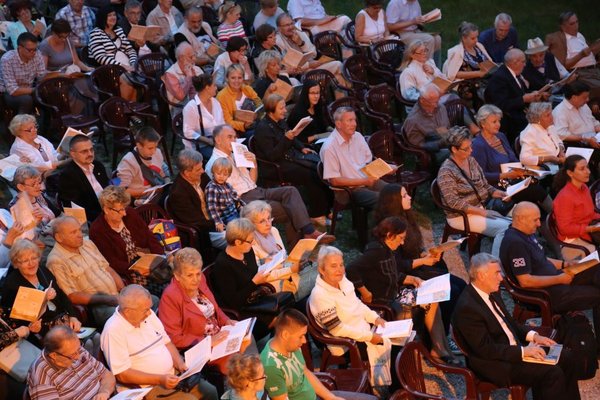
column 321, row 221
column 454, row 347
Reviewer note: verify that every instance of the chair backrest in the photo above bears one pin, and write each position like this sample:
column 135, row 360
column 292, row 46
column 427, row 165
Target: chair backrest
column 436, row 196
column 177, row 125
column 152, row 65
column 383, row 145
column 107, row 79
column 456, row 109
column 328, row 43
column 55, row 92
column 351, row 31
column 409, row 368
column 517, row 146
column 151, row 211
column 115, row 112
column 345, row 101
column 382, row 100
column 355, row 70
column 388, row 53
column 326, row 80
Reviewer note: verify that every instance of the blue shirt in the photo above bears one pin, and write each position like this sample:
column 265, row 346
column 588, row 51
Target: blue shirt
column 498, row 48
column 522, row 254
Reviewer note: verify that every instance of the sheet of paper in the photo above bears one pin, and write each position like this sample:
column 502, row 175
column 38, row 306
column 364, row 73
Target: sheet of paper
column 239, row 157
column 63, row 146
column 22, row 211
column 132, row 394
column 85, row 331
column 433, row 15
column 77, row 213
column 303, row 123
column 450, row 244
column 517, row 187
column 434, row 290
column 591, row 256
column 506, row 167
column 582, row 151
column 8, row 166
column 234, row 339
column 395, row 329
column 275, row 261
column 197, row 357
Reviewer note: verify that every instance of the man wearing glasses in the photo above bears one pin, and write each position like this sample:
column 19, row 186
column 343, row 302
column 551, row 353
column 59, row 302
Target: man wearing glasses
column 66, row 371
column 18, row 71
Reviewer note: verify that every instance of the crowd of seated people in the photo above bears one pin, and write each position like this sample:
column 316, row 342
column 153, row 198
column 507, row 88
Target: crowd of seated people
column 264, row 162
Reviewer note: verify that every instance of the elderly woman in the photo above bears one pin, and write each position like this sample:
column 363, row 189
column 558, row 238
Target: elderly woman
column 246, row 378
column 311, row 105
column 491, row 149
column 231, row 26
column 268, row 64
column 540, row 144
column 236, row 95
column 25, row 258
column 109, row 46
column 335, row 306
column 201, row 115
column 28, row 182
column 371, row 23
column 178, row 78
column 370, row 274
column 235, row 53
column 30, row 147
column 418, row 69
column 21, row 12
column 188, row 309
column 576, row 217
column 464, row 58
column 121, row 234
column 58, row 51
column 235, row 276
column 275, row 142
column 463, row 187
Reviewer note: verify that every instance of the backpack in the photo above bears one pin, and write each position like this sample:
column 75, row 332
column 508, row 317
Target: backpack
column 575, row 332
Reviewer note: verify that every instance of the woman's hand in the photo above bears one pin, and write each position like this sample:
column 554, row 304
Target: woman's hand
column 428, row 69
column 248, row 124
column 220, row 227
column 307, row 150
column 376, row 338
column 36, row 326
column 428, row 260
column 38, row 28
column 499, row 194
column 272, row 88
column 413, row 281
column 379, row 322
column 22, row 331
column 75, row 324
column 50, row 294
column 38, row 215
column 260, row 277
column 295, row 267
column 14, row 232
column 513, row 174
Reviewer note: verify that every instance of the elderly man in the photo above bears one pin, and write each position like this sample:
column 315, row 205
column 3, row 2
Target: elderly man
column 570, row 47
column 82, row 272
column 285, row 369
column 511, row 93
column 133, row 15
column 573, row 119
column 496, row 343
column 83, row 178
column 168, row 18
column 501, row 38
column 178, row 78
column 19, row 69
column 344, row 153
column 312, row 16
column 286, row 201
column 524, row 258
column 198, row 34
column 139, row 351
column 81, row 19
column 290, row 37
column 66, row 371
column 542, row 67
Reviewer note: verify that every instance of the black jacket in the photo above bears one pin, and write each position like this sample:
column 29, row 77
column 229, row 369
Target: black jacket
column 184, row 204
column 73, row 186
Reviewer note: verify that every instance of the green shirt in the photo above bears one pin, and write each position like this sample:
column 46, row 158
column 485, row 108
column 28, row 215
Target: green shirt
column 286, row 375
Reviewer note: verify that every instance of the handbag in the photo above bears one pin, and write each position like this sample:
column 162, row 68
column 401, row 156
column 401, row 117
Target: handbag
column 310, row 160
column 16, row 359
column 161, row 272
column 271, row 304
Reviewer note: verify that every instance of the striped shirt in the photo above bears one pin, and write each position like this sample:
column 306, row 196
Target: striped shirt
column 79, row 381
column 81, row 24
column 227, row 31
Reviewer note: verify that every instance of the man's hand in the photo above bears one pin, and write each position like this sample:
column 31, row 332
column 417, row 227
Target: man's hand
column 169, row 381
column 531, row 97
column 369, row 181
column 543, row 340
column 534, row 351
column 260, row 277
column 22, row 331
column 75, row 324
column 565, row 278
column 379, row 322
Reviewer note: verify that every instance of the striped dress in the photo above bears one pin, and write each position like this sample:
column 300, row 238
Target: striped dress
column 227, row 31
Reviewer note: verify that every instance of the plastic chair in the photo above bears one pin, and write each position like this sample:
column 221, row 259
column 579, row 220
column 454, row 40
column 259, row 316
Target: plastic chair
column 164, row 109
column 328, row 84
column 367, row 122
column 387, row 54
column 553, row 230
column 107, row 80
column 384, row 102
column 150, row 68
column 329, row 43
column 362, row 74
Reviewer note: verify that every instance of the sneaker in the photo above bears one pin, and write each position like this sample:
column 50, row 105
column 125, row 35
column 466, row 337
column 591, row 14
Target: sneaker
column 454, row 347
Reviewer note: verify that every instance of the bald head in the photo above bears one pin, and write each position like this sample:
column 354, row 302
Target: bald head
column 57, row 336
column 526, row 217
column 184, row 49
column 429, row 97
column 132, row 295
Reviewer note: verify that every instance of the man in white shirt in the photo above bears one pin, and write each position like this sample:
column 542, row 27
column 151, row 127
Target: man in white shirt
column 269, row 11
column 573, row 118
column 198, row 34
column 313, row 17
column 139, row 351
column 344, row 153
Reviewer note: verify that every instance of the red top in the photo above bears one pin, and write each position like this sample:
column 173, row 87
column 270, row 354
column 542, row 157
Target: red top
column 574, row 210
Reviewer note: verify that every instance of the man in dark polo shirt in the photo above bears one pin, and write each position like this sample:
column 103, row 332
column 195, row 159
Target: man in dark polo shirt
column 524, row 258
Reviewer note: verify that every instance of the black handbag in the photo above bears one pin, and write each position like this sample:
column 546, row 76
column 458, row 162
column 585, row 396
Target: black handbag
column 310, row 160
column 271, row 304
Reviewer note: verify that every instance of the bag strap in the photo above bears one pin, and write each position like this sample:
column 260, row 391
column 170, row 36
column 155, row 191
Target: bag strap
column 468, row 180
column 148, row 173
column 200, row 118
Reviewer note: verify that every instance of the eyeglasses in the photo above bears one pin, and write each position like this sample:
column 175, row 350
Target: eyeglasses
column 34, row 184
column 33, row 128
column 30, row 50
column 72, row 357
column 422, row 52
column 265, row 221
column 118, row 211
column 466, row 149
column 247, row 241
column 258, row 379
column 31, row 260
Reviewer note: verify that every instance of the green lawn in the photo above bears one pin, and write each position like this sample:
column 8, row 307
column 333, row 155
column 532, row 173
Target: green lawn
column 531, row 17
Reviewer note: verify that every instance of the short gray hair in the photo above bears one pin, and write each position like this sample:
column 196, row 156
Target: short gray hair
column 457, row 135
column 264, row 59
column 428, row 89
column 188, row 159
column 130, row 295
column 60, row 221
column 513, row 55
column 220, row 128
column 21, row 246
column 535, row 111
column 18, row 121
column 252, row 209
column 132, row 4
column 59, row 334
column 337, row 115
column 466, row 28
column 486, row 111
column 183, row 46
column 186, row 257
column 114, row 194
column 327, row 251
column 502, row 17
column 25, row 172
column 192, row 11
column 479, row 261
column 238, row 229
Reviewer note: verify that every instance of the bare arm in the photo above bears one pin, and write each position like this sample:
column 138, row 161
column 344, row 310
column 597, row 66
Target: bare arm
column 309, row 22
column 532, row 281
column 107, row 384
column 87, row 299
column 350, row 182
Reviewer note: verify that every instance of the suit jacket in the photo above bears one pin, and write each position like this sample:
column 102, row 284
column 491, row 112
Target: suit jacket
column 489, row 353
column 557, row 44
column 73, row 186
column 184, row 204
column 536, row 79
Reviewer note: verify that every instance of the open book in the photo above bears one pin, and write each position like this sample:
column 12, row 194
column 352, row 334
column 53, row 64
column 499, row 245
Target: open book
column 287, row 91
column 442, row 83
column 431, row 16
column 29, row 304
column 528, row 171
column 303, row 249
column 564, row 80
column 213, row 50
column 581, row 151
column 584, row 264
column 294, row 58
column 378, row 168
column 552, row 355
column 450, row 244
column 8, row 166
column 395, row 329
column 516, row 188
column 238, row 156
column 151, row 193
column 143, row 33
column 244, row 115
column 76, row 212
column 434, row 290
column 146, row 262
column 22, row 211
column 63, row 146
column 275, row 261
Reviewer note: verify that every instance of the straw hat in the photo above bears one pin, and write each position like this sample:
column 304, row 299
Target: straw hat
column 535, row 46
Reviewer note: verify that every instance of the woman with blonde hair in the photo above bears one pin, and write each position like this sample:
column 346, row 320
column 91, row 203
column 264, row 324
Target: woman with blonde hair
column 229, row 15
column 418, row 69
column 246, row 377
column 236, row 95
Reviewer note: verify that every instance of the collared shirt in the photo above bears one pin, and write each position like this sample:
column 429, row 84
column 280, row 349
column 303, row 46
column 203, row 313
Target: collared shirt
column 421, row 126
column 486, row 299
column 574, row 46
column 261, row 19
column 311, row 9
column 191, row 120
column 78, row 382
column 81, row 24
column 85, row 271
column 574, row 210
column 414, row 77
column 35, row 154
column 142, row 349
column 240, row 178
column 569, row 120
column 222, row 202
column 537, row 142
column 523, row 254
column 15, row 73
column 89, row 174
column 402, row 11
column 344, row 158
column 498, row 48
column 184, row 82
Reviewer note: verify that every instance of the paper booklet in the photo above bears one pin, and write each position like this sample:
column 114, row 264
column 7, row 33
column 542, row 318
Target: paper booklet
column 584, row 264
column 238, row 156
column 564, row 80
column 144, row 264
column 303, row 123
column 76, row 212
column 133, row 394
column 151, row 193
column 63, row 146
column 275, row 261
column 85, row 332
column 378, row 168
column 29, row 305
column 516, row 188
column 582, row 151
column 449, row 244
column 213, row 50
column 143, row 33
column 303, row 249
column 401, row 341
column 434, row 290
column 431, row 16
column 8, row 166
column 197, row 357
column 237, row 334
column 294, row 58
column 442, row 83
column 244, row 115
column 287, row 91
column 395, row 329
column 552, row 355
column 488, row 66
column 529, row 171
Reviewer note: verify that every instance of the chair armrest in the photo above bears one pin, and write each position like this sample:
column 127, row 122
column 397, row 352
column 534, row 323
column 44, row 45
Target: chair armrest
column 350, row 344
column 51, row 107
column 327, row 380
column 532, row 297
column 383, row 310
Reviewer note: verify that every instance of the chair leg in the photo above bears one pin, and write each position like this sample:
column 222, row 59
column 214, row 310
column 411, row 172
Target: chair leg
column 334, row 214
column 173, row 142
column 473, row 244
column 163, row 141
column 446, row 233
